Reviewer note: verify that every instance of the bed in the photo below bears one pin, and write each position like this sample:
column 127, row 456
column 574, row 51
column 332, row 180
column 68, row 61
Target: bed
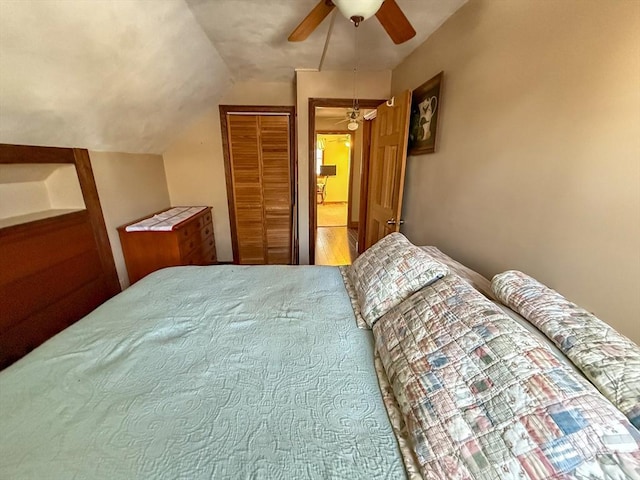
column 265, row 372
column 203, row 372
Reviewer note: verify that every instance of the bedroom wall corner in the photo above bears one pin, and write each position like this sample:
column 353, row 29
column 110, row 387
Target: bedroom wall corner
column 538, row 158
column 194, row 161
column 130, row 186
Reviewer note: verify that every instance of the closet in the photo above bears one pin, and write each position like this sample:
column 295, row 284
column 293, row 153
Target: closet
column 260, row 173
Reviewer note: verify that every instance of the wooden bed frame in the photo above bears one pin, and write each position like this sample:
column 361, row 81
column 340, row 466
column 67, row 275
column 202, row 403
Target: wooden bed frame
column 55, row 270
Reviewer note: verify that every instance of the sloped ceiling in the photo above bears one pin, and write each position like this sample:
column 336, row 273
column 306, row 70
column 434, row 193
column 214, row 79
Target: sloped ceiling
column 106, row 75
column 128, row 75
column 251, row 36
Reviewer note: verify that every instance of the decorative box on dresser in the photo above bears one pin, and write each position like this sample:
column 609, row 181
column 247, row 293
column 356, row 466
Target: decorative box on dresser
column 166, row 240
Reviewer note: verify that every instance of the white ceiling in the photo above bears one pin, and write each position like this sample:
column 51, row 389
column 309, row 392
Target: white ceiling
column 251, row 36
column 128, row 75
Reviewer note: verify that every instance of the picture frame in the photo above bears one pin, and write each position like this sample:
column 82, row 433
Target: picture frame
column 423, row 122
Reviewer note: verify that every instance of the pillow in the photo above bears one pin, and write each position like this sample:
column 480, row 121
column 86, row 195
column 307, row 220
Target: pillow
column 473, row 278
column 388, row 272
column 481, row 398
column 353, row 296
column 610, row 360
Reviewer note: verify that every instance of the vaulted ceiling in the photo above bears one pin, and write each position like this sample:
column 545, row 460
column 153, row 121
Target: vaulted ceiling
column 128, row 75
column 251, row 36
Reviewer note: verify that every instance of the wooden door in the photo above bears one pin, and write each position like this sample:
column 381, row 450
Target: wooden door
column 387, row 168
column 276, row 187
column 259, row 185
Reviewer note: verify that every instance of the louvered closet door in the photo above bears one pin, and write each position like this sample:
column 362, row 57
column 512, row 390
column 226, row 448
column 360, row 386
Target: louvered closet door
column 276, row 187
column 260, row 168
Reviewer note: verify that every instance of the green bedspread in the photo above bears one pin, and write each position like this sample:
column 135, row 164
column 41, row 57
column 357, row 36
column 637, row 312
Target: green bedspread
column 203, row 372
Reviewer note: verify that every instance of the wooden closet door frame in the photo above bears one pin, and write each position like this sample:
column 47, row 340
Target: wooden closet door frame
column 224, row 129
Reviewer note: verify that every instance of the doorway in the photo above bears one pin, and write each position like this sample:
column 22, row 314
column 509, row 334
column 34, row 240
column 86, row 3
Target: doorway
column 335, row 234
column 337, row 160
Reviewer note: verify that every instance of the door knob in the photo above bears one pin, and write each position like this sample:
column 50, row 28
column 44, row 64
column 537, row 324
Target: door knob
column 392, row 221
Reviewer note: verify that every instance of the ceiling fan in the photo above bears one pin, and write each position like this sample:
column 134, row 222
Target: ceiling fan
column 353, row 118
column 387, row 12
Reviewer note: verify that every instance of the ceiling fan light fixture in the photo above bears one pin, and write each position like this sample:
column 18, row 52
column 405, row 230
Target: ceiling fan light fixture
column 358, row 9
column 352, row 125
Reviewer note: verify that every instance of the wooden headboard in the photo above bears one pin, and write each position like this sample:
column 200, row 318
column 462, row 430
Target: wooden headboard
column 55, row 270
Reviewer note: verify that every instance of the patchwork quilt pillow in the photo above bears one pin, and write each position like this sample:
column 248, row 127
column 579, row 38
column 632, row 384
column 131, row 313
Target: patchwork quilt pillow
column 483, row 399
column 388, row 272
column 353, row 296
column 473, row 278
column 610, row 360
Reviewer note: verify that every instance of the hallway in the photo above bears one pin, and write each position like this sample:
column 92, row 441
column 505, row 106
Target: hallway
column 332, row 214
column 336, row 245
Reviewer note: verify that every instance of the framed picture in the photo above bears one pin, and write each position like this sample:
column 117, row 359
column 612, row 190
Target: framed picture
column 425, row 105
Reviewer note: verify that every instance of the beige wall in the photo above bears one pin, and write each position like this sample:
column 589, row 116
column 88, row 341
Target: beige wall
column 338, row 154
column 538, row 161
column 31, row 188
column 371, row 85
column 63, row 188
column 194, row 162
column 21, row 198
column 130, row 186
column 260, row 93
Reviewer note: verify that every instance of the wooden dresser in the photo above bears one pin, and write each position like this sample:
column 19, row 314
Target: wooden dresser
column 188, row 242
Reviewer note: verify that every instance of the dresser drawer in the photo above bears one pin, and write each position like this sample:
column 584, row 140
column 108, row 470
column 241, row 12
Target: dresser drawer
column 189, row 243
column 193, row 258
column 206, row 230
column 206, row 220
column 202, row 256
column 188, row 230
column 209, row 243
column 209, row 257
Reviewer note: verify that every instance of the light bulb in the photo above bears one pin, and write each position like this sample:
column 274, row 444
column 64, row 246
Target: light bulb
column 358, row 8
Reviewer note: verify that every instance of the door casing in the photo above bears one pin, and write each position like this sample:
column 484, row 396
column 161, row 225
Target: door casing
column 261, row 110
column 337, row 103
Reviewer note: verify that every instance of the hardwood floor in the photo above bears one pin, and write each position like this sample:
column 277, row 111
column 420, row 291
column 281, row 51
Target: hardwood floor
column 332, row 215
column 335, row 246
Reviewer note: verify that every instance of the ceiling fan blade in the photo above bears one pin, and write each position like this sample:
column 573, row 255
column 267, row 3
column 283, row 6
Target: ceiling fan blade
column 311, row 21
column 395, row 22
